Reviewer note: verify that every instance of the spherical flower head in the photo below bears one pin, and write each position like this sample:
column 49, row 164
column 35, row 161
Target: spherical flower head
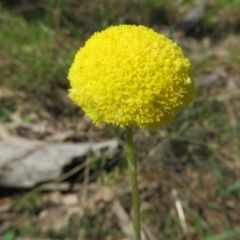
column 130, row 75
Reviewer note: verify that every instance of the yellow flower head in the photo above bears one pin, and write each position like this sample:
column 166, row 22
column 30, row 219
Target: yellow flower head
column 130, row 75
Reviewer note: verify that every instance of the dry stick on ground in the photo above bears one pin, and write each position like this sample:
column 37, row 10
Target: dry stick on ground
column 71, row 172
column 180, row 211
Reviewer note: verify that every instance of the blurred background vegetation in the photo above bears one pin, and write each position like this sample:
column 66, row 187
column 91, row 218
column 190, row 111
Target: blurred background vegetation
column 195, row 161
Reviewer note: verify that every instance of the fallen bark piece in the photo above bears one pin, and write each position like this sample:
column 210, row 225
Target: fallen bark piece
column 25, row 163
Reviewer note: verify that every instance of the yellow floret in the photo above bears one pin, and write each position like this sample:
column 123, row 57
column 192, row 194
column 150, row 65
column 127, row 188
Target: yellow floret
column 130, row 75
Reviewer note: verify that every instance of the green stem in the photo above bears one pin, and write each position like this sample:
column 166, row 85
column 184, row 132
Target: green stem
column 132, row 166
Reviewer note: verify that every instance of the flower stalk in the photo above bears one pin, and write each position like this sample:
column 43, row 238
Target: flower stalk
column 132, row 166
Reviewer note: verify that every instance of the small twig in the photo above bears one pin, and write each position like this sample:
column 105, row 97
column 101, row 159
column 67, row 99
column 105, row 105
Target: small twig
column 180, row 211
column 71, row 172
